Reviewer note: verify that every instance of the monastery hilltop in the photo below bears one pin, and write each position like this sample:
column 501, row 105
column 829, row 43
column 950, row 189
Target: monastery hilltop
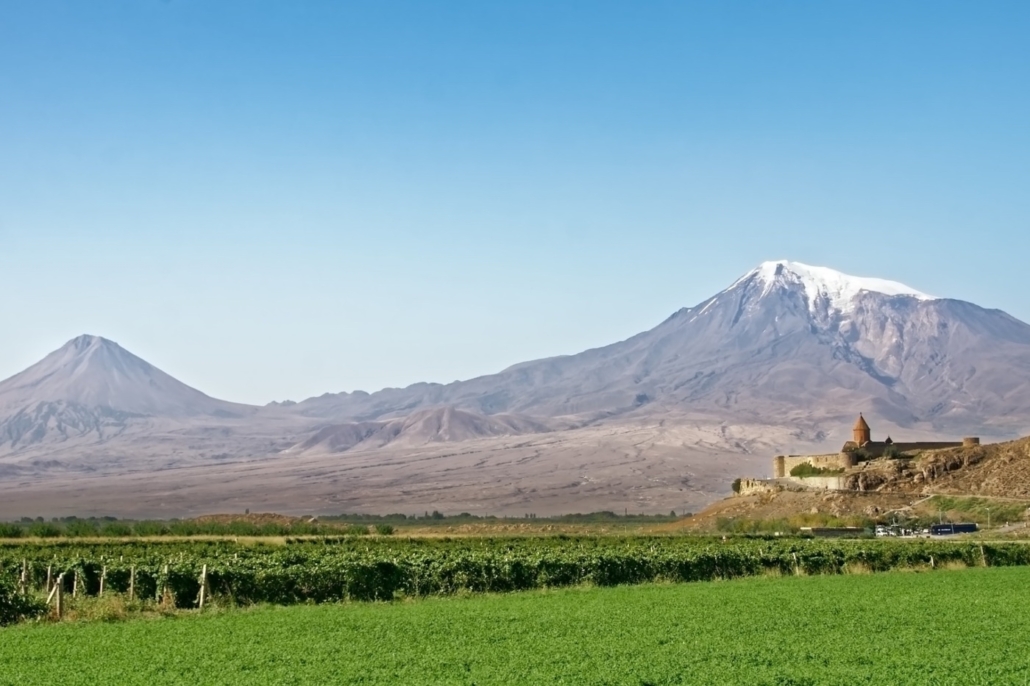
column 832, row 471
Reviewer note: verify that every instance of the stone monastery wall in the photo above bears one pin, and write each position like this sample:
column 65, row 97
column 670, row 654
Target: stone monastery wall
column 782, row 464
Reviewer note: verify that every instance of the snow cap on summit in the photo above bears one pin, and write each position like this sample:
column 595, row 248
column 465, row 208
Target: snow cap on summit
column 821, row 282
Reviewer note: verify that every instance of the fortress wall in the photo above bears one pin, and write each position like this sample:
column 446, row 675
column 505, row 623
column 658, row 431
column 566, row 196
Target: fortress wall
column 753, row 486
column 878, row 449
column 826, row 483
column 832, row 461
column 791, row 483
column 928, row 445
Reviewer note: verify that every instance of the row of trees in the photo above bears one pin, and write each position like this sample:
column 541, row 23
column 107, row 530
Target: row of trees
column 90, row 528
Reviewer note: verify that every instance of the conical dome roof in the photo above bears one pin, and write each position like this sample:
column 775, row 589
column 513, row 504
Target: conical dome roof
column 861, row 425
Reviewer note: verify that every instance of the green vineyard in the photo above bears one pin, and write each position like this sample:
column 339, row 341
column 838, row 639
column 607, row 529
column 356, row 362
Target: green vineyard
column 332, row 570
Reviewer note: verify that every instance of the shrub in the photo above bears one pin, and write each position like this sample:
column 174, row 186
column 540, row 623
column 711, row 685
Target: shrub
column 15, row 607
column 80, row 527
column 384, row 529
column 736, row 485
column 116, row 529
column 147, row 528
column 44, row 530
column 805, row 469
column 10, row 530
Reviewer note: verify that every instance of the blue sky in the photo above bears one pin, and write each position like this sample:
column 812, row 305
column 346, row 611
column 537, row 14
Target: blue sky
column 276, row 200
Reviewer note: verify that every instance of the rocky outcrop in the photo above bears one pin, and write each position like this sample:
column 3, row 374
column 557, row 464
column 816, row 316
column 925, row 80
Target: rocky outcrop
column 1001, row 470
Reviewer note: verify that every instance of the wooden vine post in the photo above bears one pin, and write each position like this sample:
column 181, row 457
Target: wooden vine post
column 56, row 596
column 49, row 577
column 103, row 578
column 75, row 583
column 163, row 588
column 132, row 582
column 24, row 582
column 203, row 587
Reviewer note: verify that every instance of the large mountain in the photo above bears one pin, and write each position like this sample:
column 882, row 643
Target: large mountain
column 784, row 343
column 93, row 388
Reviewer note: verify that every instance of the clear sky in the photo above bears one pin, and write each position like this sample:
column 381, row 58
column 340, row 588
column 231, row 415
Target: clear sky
column 273, row 200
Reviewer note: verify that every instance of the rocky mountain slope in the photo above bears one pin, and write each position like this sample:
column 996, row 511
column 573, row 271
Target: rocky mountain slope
column 784, row 343
column 424, row 427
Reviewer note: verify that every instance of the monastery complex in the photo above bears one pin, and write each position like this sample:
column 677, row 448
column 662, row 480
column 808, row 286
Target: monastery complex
column 860, row 447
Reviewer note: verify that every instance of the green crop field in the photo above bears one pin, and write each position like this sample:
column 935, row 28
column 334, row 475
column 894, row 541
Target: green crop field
column 944, row 627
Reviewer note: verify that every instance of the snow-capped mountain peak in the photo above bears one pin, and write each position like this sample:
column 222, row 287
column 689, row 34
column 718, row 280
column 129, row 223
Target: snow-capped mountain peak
column 825, row 285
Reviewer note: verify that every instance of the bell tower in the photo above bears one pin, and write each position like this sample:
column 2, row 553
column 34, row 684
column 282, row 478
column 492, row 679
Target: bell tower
column 861, row 431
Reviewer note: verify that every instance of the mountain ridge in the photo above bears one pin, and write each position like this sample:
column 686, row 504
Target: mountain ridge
column 420, row 428
column 786, row 343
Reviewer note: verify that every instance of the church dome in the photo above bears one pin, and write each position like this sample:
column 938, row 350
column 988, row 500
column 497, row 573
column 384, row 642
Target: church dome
column 861, row 424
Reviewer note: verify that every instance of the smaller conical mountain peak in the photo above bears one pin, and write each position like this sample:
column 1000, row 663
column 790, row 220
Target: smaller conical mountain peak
column 94, row 372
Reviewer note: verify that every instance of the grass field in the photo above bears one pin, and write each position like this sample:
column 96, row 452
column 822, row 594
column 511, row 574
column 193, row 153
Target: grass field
column 946, row 627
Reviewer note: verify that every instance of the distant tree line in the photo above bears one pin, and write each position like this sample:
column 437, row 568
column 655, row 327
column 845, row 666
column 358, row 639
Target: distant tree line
column 438, row 517
column 110, row 527
column 355, row 524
